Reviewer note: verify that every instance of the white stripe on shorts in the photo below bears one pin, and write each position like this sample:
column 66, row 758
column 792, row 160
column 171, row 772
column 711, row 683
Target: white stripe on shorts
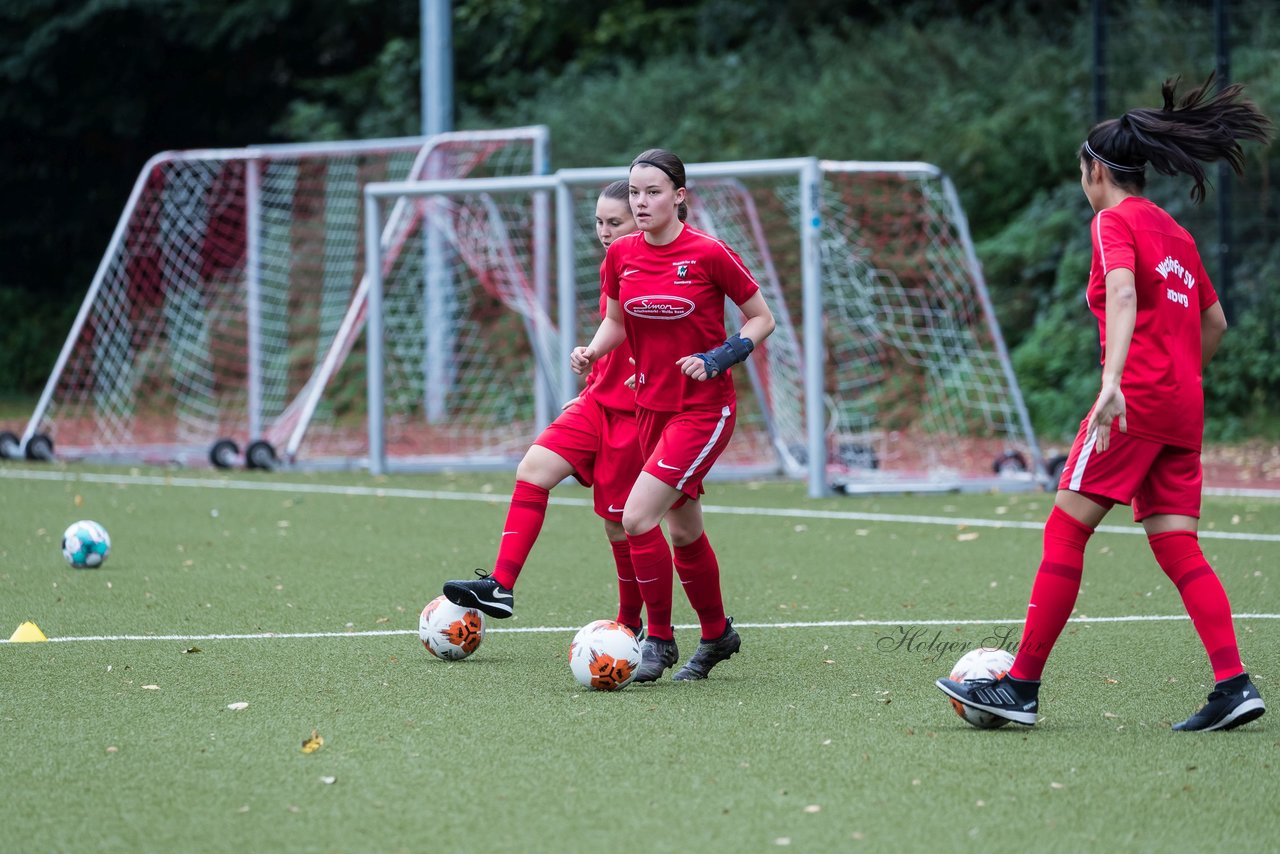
column 706, row 449
column 1077, row 473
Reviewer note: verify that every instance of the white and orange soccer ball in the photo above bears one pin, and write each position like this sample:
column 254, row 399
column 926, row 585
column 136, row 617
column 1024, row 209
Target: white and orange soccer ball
column 604, row 656
column 976, row 664
column 450, row 631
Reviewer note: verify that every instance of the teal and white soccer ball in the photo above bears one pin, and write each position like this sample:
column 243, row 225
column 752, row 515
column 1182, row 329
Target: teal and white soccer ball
column 86, row 544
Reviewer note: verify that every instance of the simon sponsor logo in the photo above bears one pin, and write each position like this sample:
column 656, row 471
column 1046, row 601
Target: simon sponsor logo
column 659, row 307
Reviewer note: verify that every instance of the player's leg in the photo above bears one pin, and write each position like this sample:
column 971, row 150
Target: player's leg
column 648, row 502
column 699, row 571
column 1168, row 506
column 567, row 446
column 539, row 470
column 630, row 602
column 1091, row 484
column 618, row 462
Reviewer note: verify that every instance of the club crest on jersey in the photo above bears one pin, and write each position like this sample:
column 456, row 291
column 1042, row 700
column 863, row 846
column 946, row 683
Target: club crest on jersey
column 682, row 271
column 659, row 307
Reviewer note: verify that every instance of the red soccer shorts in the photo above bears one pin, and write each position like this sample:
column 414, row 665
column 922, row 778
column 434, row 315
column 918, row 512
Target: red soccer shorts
column 681, row 447
column 602, row 446
column 1155, row 478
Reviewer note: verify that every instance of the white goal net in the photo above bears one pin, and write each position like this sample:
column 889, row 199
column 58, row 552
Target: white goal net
column 230, row 276
column 887, row 369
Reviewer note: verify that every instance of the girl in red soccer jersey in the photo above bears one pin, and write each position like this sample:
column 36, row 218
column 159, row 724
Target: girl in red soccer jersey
column 593, row 439
column 666, row 287
column 1160, row 323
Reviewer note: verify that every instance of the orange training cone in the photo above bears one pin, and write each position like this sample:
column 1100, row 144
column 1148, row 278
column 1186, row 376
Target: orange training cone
column 28, row 632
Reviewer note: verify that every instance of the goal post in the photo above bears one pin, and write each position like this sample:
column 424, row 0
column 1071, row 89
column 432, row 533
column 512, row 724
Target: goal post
column 887, row 370
column 226, row 281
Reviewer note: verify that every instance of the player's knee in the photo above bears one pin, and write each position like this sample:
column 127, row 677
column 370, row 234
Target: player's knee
column 638, row 522
column 683, row 535
column 542, row 468
column 614, row 531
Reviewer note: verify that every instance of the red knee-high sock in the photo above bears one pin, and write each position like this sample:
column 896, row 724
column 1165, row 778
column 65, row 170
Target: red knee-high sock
column 629, row 599
column 651, row 560
column 1179, row 555
column 524, row 522
column 700, row 575
column 1053, row 594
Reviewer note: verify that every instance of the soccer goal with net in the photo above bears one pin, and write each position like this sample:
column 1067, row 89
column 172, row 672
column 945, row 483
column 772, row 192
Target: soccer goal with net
column 887, row 369
column 232, row 276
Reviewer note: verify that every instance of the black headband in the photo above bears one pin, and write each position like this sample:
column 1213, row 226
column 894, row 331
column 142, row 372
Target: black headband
column 664, row 170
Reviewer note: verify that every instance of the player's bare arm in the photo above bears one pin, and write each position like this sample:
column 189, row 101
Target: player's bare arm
column 607, row 338
column 1122, row 314
column 1213, row 325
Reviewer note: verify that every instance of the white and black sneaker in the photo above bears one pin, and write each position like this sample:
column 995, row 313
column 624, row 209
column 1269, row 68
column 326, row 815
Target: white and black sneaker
column 483, row 593
column 1232, row 702
column 1012, row 699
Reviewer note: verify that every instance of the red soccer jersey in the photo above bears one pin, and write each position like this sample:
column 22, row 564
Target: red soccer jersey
column 606, row 382
column 672, row 301
column 1164, row 400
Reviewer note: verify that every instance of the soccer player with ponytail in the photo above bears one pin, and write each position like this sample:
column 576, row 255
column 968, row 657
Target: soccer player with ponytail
column 1160, row 323
column 666, row 287
column 594, row 440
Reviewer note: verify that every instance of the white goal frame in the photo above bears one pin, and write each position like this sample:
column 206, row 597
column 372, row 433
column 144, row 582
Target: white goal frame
column 816, row 238
column 251, row 418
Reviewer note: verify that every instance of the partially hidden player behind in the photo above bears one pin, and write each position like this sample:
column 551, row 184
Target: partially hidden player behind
column 593, row 439
column 666, row 287
column 1160, row 323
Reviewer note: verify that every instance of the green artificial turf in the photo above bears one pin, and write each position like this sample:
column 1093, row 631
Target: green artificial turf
column 818, row 737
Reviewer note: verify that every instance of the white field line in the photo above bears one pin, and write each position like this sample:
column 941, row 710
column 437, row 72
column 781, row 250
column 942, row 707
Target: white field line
column 815, row 624
column 440, row 495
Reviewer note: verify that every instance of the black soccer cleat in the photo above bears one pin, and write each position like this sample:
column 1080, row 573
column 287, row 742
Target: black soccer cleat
column 1012, row 699
column 483, row 593
column 656, row 655
column 1232, row 702
column 709, row 654
column 637, row 630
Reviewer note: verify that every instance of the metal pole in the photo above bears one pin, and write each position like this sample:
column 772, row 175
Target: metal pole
column 814, row 338
column 544, row 386
column 1224, row 281
column 373, row 334
column 253, row 291
column 565, row 288
column 437, row 66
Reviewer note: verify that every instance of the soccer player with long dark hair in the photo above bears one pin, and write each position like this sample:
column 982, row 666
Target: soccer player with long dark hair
column 666, row 287
column 594, row 440
column 1160, row 323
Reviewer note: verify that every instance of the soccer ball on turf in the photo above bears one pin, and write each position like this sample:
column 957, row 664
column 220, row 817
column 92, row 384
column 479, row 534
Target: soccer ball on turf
column 450, row 631
column 980, row 664
column 604, row 655
column 86, row 544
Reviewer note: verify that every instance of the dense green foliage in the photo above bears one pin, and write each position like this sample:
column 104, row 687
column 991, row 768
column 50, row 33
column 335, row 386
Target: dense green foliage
column 997, row 94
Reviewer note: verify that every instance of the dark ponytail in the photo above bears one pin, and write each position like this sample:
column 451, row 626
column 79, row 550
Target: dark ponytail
column 667, row 163
column 1179, row 137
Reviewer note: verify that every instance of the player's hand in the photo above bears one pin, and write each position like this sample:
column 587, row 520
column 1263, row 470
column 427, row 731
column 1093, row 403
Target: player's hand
column 570, row 402
column 1108, row 410
column 693, row 367
column 581, row 359
column 630, row 382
